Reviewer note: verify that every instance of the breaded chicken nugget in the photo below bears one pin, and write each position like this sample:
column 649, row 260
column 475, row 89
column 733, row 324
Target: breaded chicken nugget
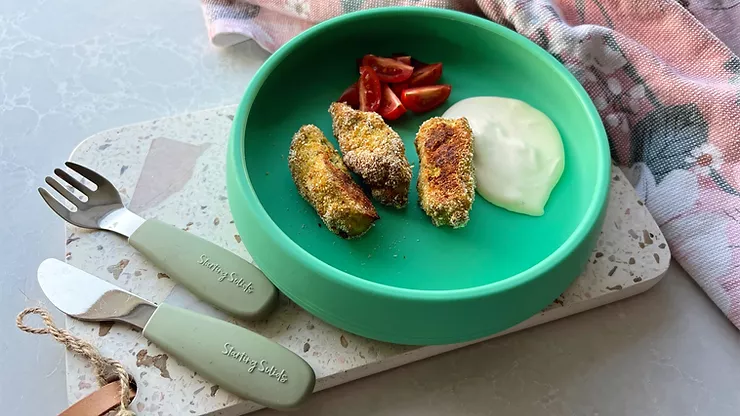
column 374, row 151
column 446, row 182
column 324, row 181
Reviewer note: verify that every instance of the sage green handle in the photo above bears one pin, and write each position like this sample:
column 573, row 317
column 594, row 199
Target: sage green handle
column 237, row 359
column 212, row 273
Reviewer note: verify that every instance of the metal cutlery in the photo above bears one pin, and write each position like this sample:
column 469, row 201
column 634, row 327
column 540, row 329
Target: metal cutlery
column 212, row 273
column 237, row 359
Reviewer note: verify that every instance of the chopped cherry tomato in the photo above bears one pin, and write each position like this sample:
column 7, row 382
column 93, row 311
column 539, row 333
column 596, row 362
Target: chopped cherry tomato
column 351, row 96
column 422, row 99
column 388, row 69
column 405, row 59
column 412, row 61
column 369, row 89
column 391, row 107
column 427, row 75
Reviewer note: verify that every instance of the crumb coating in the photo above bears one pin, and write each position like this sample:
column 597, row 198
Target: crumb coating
column 323, row 180
column 375, row 152
column 446, row 182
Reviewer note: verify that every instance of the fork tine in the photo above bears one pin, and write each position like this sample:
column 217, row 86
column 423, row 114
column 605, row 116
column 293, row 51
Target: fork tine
column 69, row 196
column 88, row 174
column 55, row 206
column 66, row 177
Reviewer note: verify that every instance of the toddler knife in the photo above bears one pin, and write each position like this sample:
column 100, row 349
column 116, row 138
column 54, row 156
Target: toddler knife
column 237, row 359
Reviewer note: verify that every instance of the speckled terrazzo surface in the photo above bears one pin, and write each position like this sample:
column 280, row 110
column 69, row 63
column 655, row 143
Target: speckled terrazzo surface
column 172, row 169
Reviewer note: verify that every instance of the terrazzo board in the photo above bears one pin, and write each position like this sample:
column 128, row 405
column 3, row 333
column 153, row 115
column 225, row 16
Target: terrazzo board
column 173, row 169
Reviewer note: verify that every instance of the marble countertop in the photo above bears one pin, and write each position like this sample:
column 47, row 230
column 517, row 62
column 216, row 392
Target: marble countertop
column 68, row 70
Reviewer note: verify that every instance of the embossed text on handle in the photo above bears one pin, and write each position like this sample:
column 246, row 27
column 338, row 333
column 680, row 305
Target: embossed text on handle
column 260, row 365
column 224, row 275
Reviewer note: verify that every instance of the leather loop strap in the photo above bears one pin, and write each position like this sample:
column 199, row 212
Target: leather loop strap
column 99, row 402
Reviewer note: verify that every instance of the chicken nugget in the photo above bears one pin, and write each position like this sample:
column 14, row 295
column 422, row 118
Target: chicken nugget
column 323, row 180
column 446, row 182
column 375, row 152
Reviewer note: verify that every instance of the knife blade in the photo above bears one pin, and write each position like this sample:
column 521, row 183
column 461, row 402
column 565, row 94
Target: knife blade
column 241, row 361
column 99, row 301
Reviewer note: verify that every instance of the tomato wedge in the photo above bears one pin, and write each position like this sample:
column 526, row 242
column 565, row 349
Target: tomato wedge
column 369, row 89
column 351, row 96
column 388, row 69
column 422, row 99
column 411, row 60
column 391, row 107
column 426, row 75
column 404, row 59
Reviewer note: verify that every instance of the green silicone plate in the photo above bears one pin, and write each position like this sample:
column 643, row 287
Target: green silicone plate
column 407, row 281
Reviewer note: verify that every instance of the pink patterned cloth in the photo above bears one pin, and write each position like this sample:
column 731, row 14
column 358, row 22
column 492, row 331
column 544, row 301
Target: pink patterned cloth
column 665, row 84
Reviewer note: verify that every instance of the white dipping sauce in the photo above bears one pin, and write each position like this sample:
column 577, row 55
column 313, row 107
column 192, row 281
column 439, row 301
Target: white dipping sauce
column 518, row 152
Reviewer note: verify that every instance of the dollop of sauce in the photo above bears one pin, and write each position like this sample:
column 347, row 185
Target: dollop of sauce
column 518, row 155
